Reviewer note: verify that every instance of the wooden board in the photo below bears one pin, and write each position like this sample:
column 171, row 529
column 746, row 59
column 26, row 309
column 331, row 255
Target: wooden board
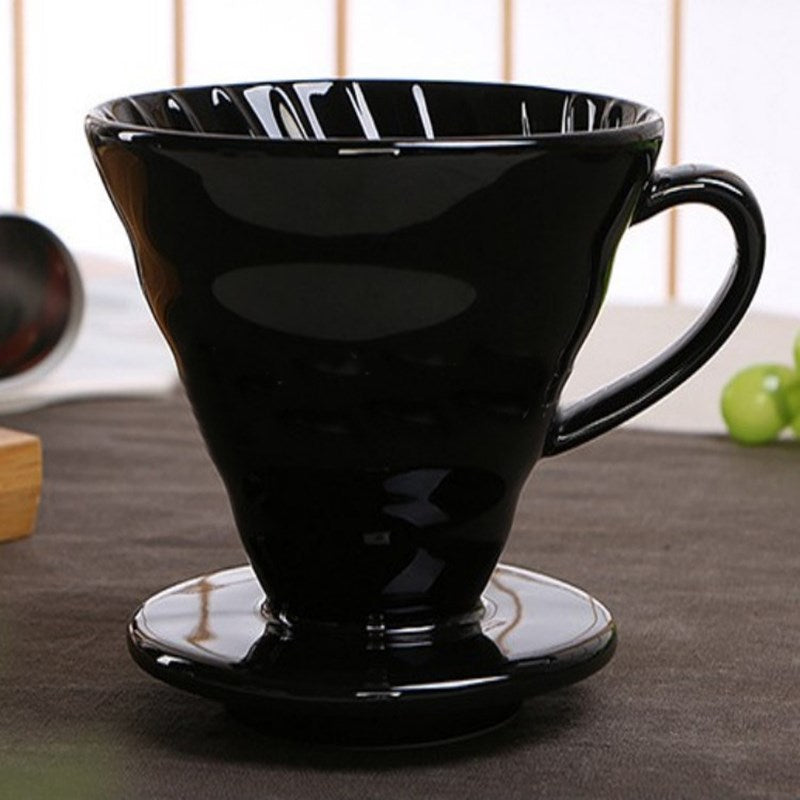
column 20, row 483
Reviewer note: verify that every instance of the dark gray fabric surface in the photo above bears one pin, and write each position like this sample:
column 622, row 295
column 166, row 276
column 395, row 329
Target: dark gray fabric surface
column 691, row 541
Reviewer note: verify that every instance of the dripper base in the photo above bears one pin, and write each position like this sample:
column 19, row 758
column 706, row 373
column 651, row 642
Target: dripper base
column 209, row 636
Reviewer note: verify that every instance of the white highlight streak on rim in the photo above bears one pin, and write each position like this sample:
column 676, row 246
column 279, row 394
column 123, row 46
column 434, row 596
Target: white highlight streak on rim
column 422, row 108
column 359, row 103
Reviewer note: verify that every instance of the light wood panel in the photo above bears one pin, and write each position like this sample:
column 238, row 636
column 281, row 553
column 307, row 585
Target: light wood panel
column 507, row 40
column 19, row 105
column 675, row 108
column 342, row 40
column 7, row 161
column 178, row 42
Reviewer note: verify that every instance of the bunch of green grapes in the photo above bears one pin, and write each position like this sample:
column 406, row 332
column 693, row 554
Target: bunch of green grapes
column 761, row 401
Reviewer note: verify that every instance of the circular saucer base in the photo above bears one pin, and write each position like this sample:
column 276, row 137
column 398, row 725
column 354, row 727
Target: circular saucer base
column 210, row 636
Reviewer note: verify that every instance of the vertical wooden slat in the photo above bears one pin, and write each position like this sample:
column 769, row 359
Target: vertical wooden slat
column 675, row 142
column 341, row 38
column 179, row 42
column 18, row 24
column 507, row 12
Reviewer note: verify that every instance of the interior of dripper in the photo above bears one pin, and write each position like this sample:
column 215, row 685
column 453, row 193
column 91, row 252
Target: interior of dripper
column 375, row 110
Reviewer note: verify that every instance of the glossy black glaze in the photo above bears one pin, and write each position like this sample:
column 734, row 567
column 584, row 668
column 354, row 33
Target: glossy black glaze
column 374, row 293
column 211, row 636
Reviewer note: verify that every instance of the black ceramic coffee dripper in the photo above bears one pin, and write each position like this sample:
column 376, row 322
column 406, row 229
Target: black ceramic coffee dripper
column 374, row 292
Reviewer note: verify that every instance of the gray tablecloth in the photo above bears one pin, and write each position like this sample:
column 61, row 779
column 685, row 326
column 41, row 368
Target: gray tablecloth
column 691, row 541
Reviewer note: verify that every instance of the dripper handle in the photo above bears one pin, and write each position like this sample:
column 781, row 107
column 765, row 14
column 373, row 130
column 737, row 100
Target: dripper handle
column 608, row 407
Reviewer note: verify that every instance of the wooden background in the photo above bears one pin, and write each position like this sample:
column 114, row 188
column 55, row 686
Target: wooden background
column 723, row 73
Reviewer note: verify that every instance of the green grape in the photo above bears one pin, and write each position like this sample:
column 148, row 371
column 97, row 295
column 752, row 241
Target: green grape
column 792, row 395
column 754, row 403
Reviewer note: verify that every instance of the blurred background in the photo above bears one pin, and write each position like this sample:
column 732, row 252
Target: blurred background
column 722, row 73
